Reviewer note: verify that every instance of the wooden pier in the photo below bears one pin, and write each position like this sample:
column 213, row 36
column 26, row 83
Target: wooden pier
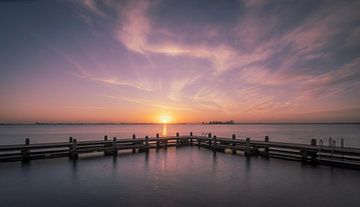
column 313, row 153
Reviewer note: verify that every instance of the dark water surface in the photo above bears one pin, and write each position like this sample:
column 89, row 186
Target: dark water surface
column 184, row 176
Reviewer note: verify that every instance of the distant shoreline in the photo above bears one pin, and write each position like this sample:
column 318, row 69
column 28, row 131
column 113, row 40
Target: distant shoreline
column 248, row 123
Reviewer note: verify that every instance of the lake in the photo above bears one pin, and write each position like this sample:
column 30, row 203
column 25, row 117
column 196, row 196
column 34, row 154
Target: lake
column 183, row 176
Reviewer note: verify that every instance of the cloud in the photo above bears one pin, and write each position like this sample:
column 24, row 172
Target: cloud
column 283, row 60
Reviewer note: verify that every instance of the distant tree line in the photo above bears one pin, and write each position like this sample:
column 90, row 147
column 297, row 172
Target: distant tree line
column 219, row 122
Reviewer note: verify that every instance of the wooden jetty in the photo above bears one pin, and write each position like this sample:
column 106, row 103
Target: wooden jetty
column 313, row 153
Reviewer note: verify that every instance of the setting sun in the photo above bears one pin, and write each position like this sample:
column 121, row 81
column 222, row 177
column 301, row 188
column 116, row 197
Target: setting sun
column 165, row 118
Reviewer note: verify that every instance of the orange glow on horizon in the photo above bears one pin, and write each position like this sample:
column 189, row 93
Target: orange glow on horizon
column 165, row 118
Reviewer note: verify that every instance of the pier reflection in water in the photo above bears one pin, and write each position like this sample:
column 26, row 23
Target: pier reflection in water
column 184, row 176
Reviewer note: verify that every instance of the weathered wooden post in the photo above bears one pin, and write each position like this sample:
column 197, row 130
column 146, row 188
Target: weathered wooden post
column 233, row 144
column 191, row 139
column 105, row 145
column 147, row 143
column 157, row 141
column 25, row 152
column 248, row 149
column 313, row 153
column 177, row 139
column 209, row 141
column 214, row 143
column 74, row 151
column 266, row 150
column 134, row 143
column 114, row 146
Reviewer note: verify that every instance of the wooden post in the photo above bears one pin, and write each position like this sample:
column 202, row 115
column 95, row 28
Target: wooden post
column 114, row 146
column 191, row 139
column 214, row 143
column 177, row 139
column 266, row 151
column 25, row 152
column 147, row 143
column 70, row 146
column 233, row 144
column 134, row 143
column 105, row 145
column 157, row 141
column 74, row 152
column 209, row 141
column 248, row 149
column 313, row 154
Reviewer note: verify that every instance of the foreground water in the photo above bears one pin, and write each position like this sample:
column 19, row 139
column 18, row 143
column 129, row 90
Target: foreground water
column 184, row 176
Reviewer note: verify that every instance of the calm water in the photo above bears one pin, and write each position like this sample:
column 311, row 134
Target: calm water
column 185, row 176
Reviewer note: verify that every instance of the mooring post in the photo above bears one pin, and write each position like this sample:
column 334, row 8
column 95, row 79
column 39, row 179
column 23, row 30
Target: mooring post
column 134, row 143
column 233, row 144
column 247, row 150
column 209, row 141
column 147, row 143
column 177, row 138
column 214, row 143
column 114, row 146
column 191, row 139
column 313, row 154
column 70, row 146
column 25, row 152
column 105, row 145
column 157, row 141
column 266, row 150
column 74, row 152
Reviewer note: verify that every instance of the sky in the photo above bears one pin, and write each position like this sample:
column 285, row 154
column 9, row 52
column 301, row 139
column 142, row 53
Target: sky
column 179, row 61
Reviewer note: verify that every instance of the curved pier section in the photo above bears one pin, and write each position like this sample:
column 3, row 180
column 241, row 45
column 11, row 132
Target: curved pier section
column 314, row 153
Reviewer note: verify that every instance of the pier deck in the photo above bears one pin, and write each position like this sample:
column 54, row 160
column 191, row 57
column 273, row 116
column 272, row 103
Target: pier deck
column 314, row 153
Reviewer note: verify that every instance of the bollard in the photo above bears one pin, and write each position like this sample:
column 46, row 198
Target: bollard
column 177, row 138
column 114, row 146
column 134, row 143
column 266, row 151
column 191, row 139
column 74, row 152
column 25, row 152
column 70, row 139
column 313, row 154
column 147, row 143
column 233, row 144
column 105, row 145
column 157, row 141
column 247, row 150
column 214, row 143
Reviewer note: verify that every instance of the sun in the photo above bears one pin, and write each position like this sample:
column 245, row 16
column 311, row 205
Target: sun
column 165, row 118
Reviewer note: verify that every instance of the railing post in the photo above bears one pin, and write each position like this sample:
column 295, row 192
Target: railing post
column 134, row 143
column 247, row 150
column 25, row 152
column 177, row 139
column 114, row 146
column 233, row 144
column 313, row 154
column 266, row 150
column 147, row 143
column 209, row 141
column 74, row 152
column 191, row 139
column 105, row 145
column 157, row 141
column 214, row 143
